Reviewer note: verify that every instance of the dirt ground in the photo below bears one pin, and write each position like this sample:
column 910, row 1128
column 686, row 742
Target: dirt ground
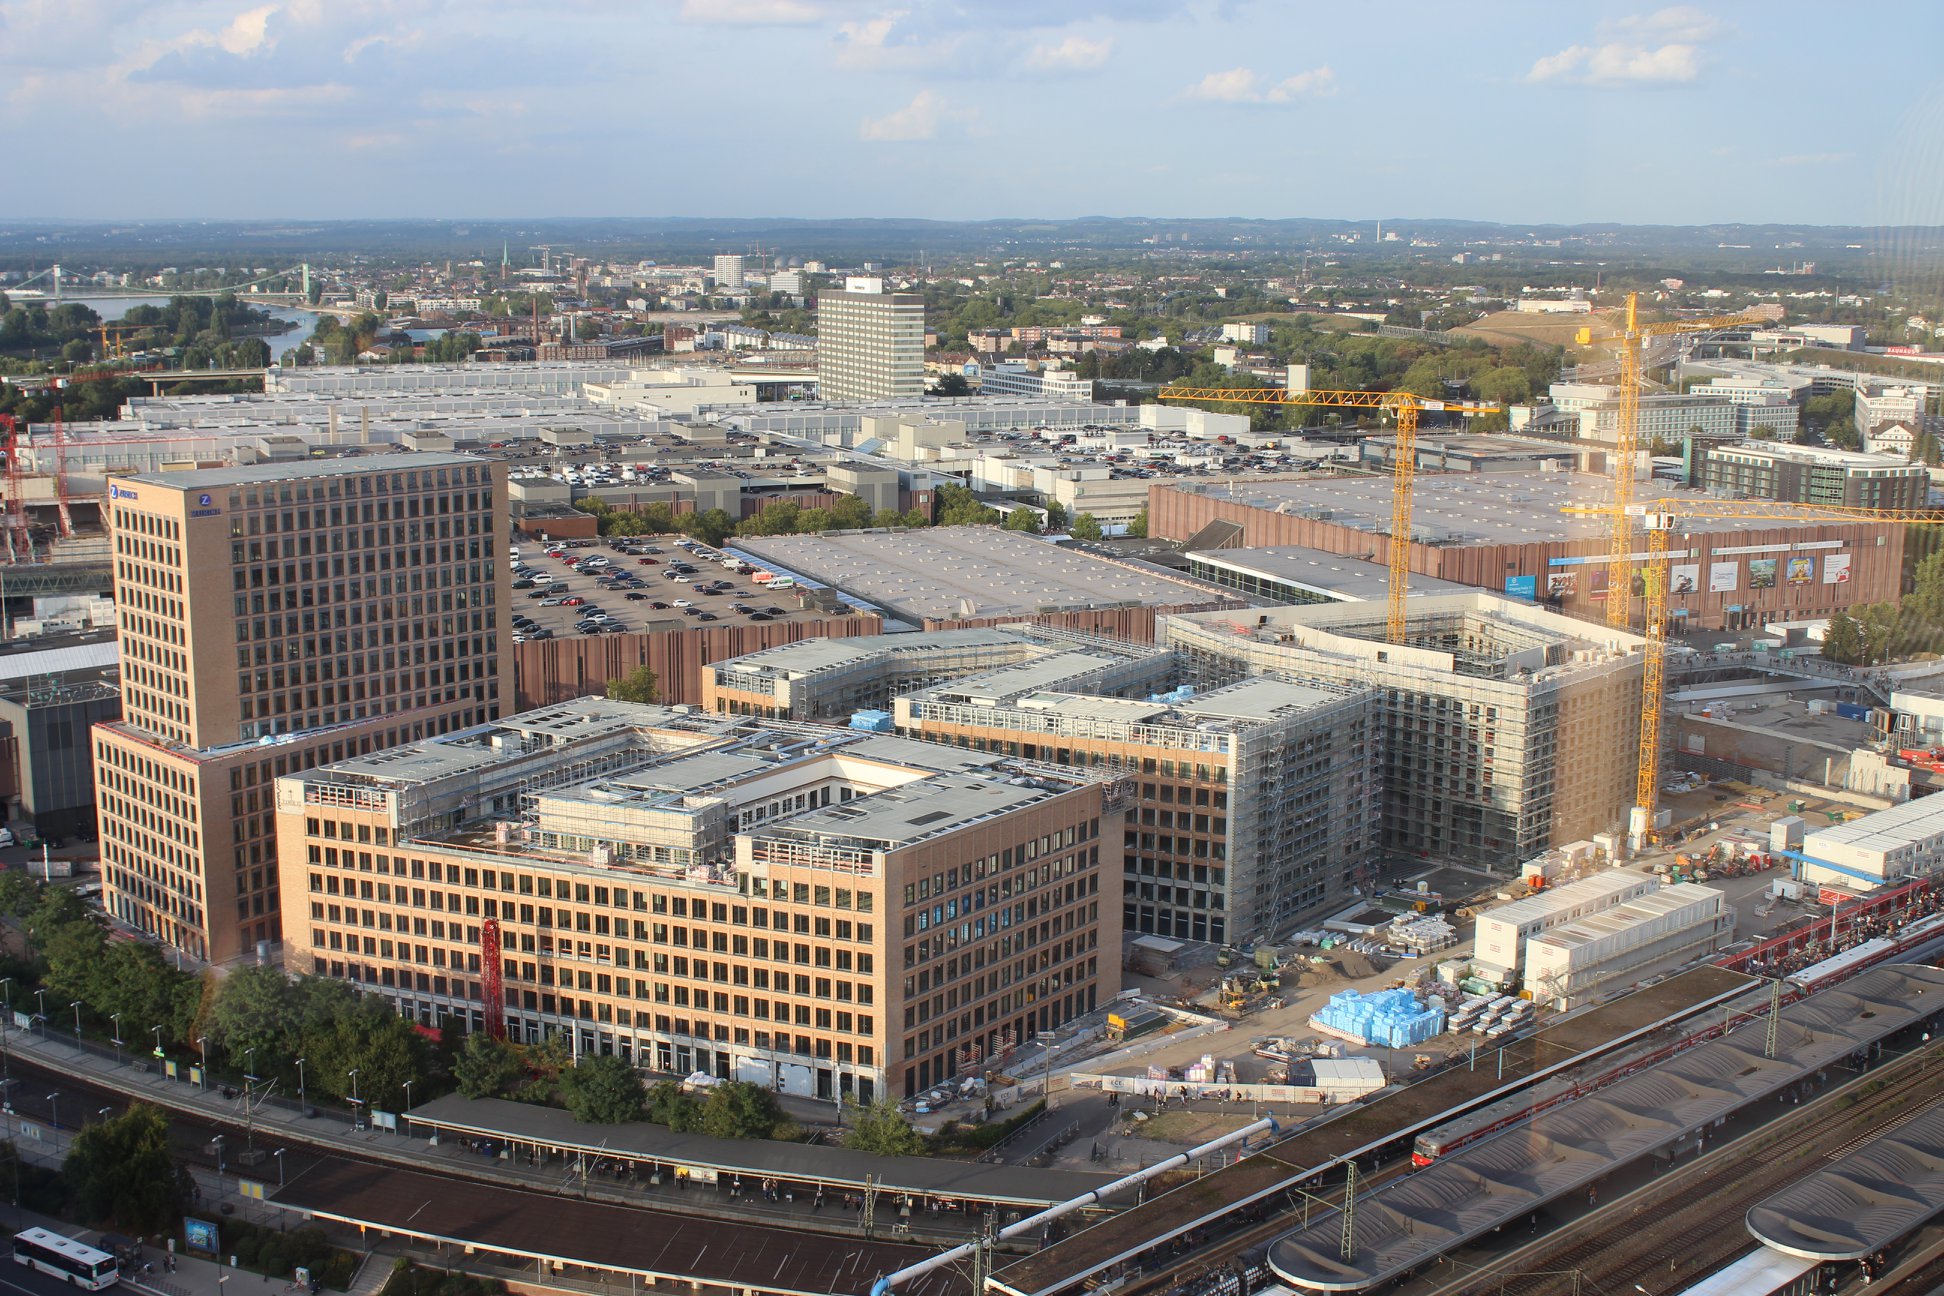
column 1540, row 330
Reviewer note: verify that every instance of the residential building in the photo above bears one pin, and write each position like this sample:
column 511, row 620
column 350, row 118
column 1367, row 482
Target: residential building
column 1506, row 729
column 1881, row 403
column 1813, row 475
column 870, row 343
column 1247, row 334
column 274, row 617
column 729, row 273
column 818, row 910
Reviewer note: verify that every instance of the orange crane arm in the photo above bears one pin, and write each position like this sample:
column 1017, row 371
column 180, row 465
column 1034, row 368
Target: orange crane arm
column 1407, row 406
column 1355, row 399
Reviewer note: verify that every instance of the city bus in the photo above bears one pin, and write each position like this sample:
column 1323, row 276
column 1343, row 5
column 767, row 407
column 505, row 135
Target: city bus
column 62, row 1257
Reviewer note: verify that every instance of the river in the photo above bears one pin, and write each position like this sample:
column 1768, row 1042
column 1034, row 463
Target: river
column 304, row 322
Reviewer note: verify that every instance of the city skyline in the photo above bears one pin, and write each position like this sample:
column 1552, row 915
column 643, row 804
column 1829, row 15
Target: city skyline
column 831, row 108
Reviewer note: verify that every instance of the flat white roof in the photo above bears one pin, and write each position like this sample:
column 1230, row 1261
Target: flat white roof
column 1903, row 825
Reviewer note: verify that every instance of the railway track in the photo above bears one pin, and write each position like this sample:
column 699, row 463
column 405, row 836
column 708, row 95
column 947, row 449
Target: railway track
column 1675, row 1229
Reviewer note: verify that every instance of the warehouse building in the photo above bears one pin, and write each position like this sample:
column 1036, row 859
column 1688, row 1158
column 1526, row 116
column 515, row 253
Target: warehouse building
column 1507, row 729
column 943, row 577
column 1498, row 953
column 1574, row 964
column 1509, row 532
column 824, row 911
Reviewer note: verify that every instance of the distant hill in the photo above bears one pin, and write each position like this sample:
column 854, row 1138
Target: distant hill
column 894, row 241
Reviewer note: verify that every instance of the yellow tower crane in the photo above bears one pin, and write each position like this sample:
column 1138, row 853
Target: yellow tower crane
column 1406, row 406
column 1659, row 520
column 1633, row 339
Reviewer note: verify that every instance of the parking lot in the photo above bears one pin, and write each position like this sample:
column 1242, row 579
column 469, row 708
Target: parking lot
column 641, row 583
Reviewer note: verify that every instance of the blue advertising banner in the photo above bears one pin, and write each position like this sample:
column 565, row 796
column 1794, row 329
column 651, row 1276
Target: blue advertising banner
column 1525, row 587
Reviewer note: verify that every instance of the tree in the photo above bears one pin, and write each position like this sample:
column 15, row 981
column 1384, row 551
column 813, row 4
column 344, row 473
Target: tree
column 1056, row 516
column 1842, row 434
column 958, row 506
column 638, row 685
column 1138, row 528
column 1086, row 527
column 883, row 1129
column 380, row 1046
column 603, row 1090
column 1925, row 449
column 121, row 1172
column 1842, row 639
column 668, row 1105
column 952, row 384
column 1504, row 385
column 252, row 1010
column 1023, row 519
column 740, row 1110
column 486, row 1067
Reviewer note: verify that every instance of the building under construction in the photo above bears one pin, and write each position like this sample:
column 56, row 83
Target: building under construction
column 1507, row 729
column 1254, row 805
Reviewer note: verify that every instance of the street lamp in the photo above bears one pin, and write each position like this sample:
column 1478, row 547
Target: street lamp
column 300, row 1084
column 408, row 1109
column 76, row 1005
column 355, row 1101
column 116, row 1018
column 157, row 1032
column 54, row 1106
column 202, row 1042
column 279, row 1153
column 40, row 998
column 217, row 1143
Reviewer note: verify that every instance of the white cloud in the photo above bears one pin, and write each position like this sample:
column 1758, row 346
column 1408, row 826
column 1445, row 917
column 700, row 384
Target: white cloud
column 1681, row 23
column 751, row 13
column 408, row 38
column 1660, row 48
column 917, row 120
column 879, row 44
column 1074, row 53
column 1244, row 85
column 248, row 32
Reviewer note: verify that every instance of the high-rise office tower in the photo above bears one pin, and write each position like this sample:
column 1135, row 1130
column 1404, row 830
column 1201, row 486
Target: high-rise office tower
column 870, row 343
column 272, row 618
column 729, row 273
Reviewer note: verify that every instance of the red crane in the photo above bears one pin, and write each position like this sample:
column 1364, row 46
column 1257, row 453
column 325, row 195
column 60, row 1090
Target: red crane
column 489, row 966
column 60, row 472
column 20, row 538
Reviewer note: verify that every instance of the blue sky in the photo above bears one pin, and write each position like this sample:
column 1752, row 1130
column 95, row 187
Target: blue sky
column 1051, row 108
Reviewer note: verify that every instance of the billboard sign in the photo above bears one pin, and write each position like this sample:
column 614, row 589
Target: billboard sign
column 1683, row 578
column 1525, row 587
column 1724, row 577
column 201, row 1235
column 1801, row 571
column 1561, row 584
column 1761, row 573
column 1836, row 569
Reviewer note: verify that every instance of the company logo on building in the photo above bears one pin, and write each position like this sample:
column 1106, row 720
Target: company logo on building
column 203, row 501
column 120, row 492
